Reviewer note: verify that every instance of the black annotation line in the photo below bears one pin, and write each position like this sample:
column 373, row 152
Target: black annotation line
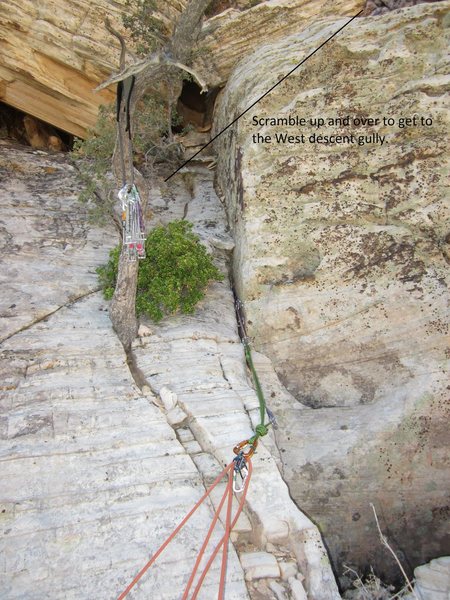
column 264, row 95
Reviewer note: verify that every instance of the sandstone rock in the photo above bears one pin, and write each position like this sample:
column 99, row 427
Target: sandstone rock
column 53, row 55
column 233, row 34
column 185, row 434
column 288, row 569
column 432, row 581
column 39, row 136
column 341, row 262
column 169, row 398
column 93, row 477
column 297, row 589
column 176, row 416
column 258, row 565
column 192, row 447
column 92, row 468
column 381, row 7
column 201, row 358
column 42, row 228
column 278, row 590
column 144, row 330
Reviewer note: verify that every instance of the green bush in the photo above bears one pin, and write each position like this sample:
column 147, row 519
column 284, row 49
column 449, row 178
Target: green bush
column 146, row 30
column 93, row 156
column 172, row 277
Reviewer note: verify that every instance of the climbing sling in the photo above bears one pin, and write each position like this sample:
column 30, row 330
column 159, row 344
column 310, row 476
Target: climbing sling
column 133, row 229
column 238, row 474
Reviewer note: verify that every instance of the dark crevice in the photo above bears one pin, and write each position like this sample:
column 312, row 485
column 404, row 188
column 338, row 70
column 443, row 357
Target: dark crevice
column 194, row 108
column 137, row 374
column 31, row 131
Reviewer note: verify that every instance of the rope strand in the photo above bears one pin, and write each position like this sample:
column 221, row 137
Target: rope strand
column 174, row 533
column 219, row 545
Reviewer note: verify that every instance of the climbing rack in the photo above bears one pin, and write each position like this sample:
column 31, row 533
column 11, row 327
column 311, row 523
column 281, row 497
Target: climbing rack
column 133, row 228
column 238, row 473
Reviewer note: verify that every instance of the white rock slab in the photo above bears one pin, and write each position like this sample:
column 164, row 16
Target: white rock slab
column 201, row 359
column 93, row 478
column 259, row 565
column 297, row 589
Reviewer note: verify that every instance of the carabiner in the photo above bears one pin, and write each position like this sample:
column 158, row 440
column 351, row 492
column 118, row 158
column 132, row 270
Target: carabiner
column 243, row 473
column 240, row 448
column 240, row 467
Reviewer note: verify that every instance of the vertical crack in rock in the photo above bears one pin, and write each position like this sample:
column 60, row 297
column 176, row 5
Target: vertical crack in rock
column 197, row 366
column 90, row 468
column 342, row 263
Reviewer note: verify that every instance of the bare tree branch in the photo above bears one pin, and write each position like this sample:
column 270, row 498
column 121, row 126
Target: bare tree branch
column 149, row 63
column 387, row 545
column 123, row 46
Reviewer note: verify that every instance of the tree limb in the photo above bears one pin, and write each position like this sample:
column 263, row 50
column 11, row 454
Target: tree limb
column 150, row 63
column 385, row 543
column 123, row 46
column 187, row 30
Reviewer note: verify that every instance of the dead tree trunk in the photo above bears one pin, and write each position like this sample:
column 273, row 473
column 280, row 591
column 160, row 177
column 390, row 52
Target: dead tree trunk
column 176, row 53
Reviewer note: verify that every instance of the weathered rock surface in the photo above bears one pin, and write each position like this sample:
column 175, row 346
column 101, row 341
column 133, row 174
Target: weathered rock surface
column 54, row 53
column 341, row 259
column 96, row 473
column 233, row 34
column 93, row 478
column 199, row 358
column 42, row 229
column 257, row 565
column 433, row 579
column 381, row 7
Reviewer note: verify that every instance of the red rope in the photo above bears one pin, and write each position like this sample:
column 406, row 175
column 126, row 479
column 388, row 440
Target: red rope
column 223, row 569
column 205, row 544
column 174, row 533
column 229, row 524
column 233, row 523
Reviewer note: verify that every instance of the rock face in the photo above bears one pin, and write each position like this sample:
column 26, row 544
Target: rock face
column 96, row 471
column 93, row 477
column 433, row 579
column 341, row 259
column 229, row 36
column 199, row 361
column 53, row 55
column 381, row 7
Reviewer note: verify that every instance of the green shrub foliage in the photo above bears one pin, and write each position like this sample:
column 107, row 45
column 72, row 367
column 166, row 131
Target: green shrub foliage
column 147, row 31
column 173, row 276
column 93, row 156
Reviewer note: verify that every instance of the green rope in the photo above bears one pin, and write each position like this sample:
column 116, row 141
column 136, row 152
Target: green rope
column 261, row 429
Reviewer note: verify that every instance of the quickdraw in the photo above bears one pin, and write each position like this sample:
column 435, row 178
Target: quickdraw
column 133, row 228
column 241, row 470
